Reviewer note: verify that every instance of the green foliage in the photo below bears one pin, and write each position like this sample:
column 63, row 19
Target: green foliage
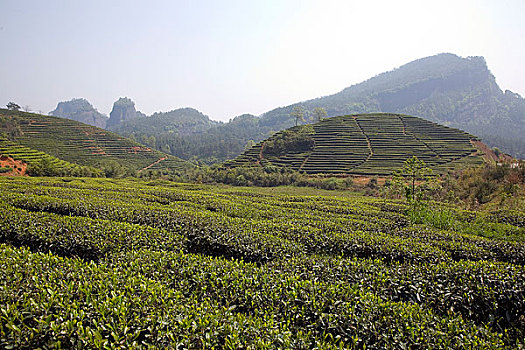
column 319, row 113
column 369, row 144
column 13, row 106
column 10, row 127
column 263, row 176
column 157, row 264
column 439, row 217
column 92, row 263
column 491, row 185
column 178, row 122
column 414, row 180
column 113, row 168
column 298, row 114
column 43, row 167
column 267, row 176
column 81, row 144
column 295, row 141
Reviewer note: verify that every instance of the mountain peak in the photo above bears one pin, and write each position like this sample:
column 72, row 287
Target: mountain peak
column 81, row 110
column 123, row 110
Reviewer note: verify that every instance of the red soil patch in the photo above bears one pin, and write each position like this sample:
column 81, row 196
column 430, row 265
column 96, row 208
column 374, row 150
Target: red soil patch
column 489, row 155
column 136, row 149
column 98, row 150
column 364, row 180
column 15, row 165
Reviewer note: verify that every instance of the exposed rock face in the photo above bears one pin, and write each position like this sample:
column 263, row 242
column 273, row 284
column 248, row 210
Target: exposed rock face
column 81, row 110
column 123, row 110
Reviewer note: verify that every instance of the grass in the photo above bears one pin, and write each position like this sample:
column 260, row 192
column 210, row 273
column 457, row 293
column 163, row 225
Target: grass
column 478, row 224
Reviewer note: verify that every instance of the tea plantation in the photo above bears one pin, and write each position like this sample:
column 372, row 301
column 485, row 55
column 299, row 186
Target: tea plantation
column 102, row 263
column 18, row 152
column 364, row 144
column 78, row 143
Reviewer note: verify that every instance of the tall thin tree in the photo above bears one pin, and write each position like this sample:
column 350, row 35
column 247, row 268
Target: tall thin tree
column 298, row 113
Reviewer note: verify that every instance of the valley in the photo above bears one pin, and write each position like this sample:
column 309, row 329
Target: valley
column 375, row 222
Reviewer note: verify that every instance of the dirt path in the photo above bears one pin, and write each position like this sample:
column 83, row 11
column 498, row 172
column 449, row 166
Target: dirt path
column 307, row 157
column 304, row 162
column 153, row 164
column 364, row 180
column 367, row 140
column 417, row 138
column 404, row 126
column 261, row 153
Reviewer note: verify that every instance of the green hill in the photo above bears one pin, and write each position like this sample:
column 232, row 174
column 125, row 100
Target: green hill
column 179, row 121
column 165, row 130
column 367, row 144
column 81, row 144
column 446, row 89
column 16, row 158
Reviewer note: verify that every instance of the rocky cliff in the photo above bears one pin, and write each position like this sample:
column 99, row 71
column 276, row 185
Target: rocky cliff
column 81, row 110
column 123, row 110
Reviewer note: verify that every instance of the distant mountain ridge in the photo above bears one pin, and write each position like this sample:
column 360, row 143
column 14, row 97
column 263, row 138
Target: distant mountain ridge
column 181, row 121
column 445, row 88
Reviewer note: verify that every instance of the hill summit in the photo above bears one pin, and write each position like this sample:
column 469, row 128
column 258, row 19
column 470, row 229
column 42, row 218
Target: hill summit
column 364, row 144
column 81, row 110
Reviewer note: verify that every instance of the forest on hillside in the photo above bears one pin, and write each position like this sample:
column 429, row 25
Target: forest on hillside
column 446, row 89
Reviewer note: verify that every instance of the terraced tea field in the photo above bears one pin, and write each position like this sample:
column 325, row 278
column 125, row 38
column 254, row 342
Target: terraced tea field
column 13, row 151
column 100, row 263
column 83, row 144
column 368, row 144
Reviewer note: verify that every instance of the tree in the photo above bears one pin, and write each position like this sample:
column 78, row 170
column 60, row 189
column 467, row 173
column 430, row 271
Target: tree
column 319, row 113
column 414, row 178
column 13, row 106
column 298, row 113
column 43, row 167
column 249, row 144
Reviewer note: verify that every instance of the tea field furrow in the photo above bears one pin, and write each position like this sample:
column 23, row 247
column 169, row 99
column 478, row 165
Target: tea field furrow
column 94, row 263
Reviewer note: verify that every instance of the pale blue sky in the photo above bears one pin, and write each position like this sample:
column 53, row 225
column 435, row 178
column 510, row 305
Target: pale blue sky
column 230, row 57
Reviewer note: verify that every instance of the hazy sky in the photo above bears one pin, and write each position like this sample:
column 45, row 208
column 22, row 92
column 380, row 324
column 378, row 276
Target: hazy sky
column 228, row 57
